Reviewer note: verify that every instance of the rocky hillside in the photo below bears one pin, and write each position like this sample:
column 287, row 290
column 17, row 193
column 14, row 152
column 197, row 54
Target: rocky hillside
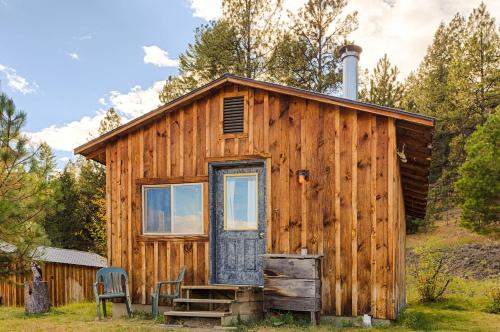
column 470, row 255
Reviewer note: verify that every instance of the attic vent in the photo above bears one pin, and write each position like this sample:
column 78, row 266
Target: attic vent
column 234, row 114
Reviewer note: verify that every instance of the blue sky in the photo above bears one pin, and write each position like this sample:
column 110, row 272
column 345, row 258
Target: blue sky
column 72, row 53
column 66, row 62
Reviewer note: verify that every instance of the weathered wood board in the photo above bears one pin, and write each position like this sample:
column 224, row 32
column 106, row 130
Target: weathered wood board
column 342, row 212
column 292, row 282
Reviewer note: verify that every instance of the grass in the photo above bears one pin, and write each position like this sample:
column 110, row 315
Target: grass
column 462, row 310
column 449, row 234
column 464, row 307
column 72, row 317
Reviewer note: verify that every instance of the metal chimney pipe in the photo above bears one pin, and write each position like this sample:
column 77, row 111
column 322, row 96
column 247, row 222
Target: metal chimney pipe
column 349, row 54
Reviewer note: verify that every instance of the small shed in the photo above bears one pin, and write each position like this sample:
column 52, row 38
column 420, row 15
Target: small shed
column 239, row 168
column 70, row 274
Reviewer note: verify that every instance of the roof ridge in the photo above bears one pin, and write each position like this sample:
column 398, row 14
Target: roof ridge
column 96, row 144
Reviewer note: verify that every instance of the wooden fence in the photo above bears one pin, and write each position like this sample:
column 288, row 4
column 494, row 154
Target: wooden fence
column 67, row 284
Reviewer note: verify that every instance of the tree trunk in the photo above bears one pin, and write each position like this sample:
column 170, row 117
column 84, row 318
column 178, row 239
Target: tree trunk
column 36, row 297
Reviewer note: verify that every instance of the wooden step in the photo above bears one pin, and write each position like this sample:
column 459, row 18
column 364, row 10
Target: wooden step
column 204, row 314
column 212, row 287
column 207, row 301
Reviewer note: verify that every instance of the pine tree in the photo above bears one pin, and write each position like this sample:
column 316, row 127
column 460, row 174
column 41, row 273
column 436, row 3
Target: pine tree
column 383, row 86
column 238, row 43
column 475, row 78
column 254, row 23
column 479, row 182
column 91, row 184
column 24, row 191
column 306, row 56
column 458, row 83
column 213, row 53
column 63, row 224
column 78, row 221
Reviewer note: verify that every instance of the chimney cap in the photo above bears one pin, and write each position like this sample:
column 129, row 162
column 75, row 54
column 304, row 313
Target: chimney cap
column 351, row 48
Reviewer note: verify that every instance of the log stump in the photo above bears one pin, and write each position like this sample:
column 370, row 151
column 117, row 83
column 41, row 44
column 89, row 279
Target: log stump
column 36, row 295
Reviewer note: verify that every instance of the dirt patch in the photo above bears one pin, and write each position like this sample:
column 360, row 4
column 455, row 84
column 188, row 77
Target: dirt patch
column 469, row 261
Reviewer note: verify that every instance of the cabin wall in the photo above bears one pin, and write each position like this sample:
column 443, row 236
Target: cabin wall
column 67, row 284
column 351, row 209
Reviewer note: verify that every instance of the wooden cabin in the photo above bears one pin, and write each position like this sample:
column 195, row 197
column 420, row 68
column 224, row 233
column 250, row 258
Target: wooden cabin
column 70, row 275
column 239, row 168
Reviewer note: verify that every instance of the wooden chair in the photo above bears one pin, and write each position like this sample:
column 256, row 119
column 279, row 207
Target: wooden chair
column 156, row 296
column 115, row 286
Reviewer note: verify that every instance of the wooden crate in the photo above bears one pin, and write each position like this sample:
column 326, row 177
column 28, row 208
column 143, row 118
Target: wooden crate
column 293, row 282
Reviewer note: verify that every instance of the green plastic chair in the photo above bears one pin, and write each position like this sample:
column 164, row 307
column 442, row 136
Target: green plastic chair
column 156, row 296
column 115, row 286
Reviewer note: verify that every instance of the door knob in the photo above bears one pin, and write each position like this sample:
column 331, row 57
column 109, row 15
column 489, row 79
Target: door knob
column 261, row 235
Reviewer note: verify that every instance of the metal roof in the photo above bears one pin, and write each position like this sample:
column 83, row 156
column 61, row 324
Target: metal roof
column 70, row 256
column 60, row 255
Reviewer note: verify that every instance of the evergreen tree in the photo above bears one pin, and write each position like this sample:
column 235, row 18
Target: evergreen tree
column 79, row 219
column 24, row 191
column 458, row 83
column 238, row 43
column 110, row 121
column 306, row 56
column 475, row 80
column 383, row 87
column 213, row 53
column 254, row 24
column 479, row 183
column 92, row 189
column 63, row 224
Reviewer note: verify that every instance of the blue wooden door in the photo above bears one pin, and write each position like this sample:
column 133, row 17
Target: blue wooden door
column 239, row 223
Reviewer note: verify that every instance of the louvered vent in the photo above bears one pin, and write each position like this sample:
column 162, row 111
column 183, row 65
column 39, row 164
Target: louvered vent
column 234, row 109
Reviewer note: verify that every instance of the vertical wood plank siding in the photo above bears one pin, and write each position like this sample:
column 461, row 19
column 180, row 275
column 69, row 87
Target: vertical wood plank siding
column 67, row 284
column 351, row 209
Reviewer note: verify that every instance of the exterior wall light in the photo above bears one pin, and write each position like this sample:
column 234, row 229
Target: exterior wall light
column 302, row 176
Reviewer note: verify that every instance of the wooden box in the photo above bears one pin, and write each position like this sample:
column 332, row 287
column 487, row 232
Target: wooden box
column 292, row 282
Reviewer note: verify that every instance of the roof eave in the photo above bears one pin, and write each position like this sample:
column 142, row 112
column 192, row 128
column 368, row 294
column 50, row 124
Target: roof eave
column 96, row 144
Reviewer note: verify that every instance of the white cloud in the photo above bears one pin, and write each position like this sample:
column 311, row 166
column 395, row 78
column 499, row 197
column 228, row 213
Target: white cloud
column 16, row 82
column 73, row 56
column 69, row 135
column 137, row 101
column 206, row 9
column 403, row 29
column 85, row 37
column 158, row 57
column 129, row 105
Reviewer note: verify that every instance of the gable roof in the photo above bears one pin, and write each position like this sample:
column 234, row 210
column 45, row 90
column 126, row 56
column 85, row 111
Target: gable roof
column 414, row 132
column 60, row 255
column 88, row 148
column 70, row 256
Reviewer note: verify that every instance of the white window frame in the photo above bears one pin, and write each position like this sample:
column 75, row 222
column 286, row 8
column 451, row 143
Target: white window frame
column 172, row 212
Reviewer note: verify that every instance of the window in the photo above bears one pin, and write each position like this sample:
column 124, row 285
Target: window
column 240, row 201
column 173, row 209
column 234, row 115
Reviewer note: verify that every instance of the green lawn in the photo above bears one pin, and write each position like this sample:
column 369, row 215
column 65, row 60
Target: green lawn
column 463, row 309
column 460, row 312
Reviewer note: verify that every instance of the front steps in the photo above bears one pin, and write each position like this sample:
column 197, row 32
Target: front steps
column 215, row 305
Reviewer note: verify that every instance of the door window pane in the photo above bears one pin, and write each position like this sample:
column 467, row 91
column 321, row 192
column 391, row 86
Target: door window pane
column 187, row 209
column 240, row 201
column 173, row 209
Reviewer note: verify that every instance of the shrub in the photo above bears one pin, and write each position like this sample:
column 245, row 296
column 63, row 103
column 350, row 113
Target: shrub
column 494, row 297
column 431, row 274
column 479, row 183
